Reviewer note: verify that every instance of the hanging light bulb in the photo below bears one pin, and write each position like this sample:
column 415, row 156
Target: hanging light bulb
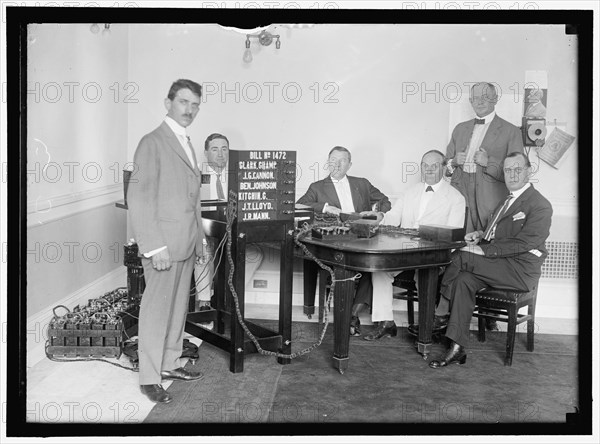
column 247, row 53
column 106, row 30
column 277, row 43
column 95, row 29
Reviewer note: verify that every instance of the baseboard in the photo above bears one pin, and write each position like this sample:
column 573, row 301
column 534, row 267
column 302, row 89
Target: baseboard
column 37, row 324
column 556, row 308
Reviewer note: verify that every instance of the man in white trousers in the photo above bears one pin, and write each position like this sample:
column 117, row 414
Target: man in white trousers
column 433, row 201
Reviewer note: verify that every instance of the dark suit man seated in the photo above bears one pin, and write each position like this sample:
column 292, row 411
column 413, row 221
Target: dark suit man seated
column 509, row 253
column 341, row 193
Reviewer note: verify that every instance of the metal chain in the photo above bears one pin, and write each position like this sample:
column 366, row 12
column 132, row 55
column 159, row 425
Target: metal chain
column 306, row 227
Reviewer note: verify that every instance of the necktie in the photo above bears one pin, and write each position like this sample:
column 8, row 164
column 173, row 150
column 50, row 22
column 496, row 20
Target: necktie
column 492, row 227
column 429, row 188
column 479, row 121
column 220, row 194
column 189, row 143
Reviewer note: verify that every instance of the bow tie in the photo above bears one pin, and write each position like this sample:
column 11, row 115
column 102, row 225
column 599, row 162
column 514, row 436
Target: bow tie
column 479, row 121
column 429, row 188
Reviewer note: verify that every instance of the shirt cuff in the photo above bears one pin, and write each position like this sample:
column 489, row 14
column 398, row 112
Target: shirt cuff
column 153, row 252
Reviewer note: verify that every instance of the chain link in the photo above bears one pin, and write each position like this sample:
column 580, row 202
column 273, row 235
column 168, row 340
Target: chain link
column 230, row 217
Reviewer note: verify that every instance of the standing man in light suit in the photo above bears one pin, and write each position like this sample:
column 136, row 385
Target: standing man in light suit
column 432, row 201
column 164, row 206
column 477, row 150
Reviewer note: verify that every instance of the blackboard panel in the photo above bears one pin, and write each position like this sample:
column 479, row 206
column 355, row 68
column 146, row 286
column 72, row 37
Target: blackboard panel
column 263, row 184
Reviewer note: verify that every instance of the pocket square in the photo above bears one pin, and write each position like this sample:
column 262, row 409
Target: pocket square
column 520, row 215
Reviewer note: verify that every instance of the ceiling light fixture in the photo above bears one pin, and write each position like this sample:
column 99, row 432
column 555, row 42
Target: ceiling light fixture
column 265, row 38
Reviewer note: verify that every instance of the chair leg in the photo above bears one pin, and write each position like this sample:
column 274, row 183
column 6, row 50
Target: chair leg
column 530, row 325
column 510, row 334
column 481, row 329
column 322, row 294
column 410, row 305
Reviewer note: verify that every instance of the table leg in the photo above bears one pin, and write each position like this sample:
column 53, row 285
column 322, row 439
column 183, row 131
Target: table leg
column 342, row 307
column 310, row 272
column 285, row 296
column 427, row 293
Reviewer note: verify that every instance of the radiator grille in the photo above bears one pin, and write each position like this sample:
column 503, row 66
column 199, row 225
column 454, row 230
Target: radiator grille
column 562, row 260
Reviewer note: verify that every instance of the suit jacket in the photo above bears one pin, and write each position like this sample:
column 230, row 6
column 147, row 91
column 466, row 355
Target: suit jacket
column 364, row 195
column 524, row 227
column 446, row 207
column 501, row 139
column 164, row 196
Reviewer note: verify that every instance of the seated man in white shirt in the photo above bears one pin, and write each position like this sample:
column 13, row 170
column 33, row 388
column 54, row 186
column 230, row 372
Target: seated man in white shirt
column 433, row 201
column 214, row 177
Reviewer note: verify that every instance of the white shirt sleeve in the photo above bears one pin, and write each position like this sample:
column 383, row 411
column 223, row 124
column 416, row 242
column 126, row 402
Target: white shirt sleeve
column 153, row 252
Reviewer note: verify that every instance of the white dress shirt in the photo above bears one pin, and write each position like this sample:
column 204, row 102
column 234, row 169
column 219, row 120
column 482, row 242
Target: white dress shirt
column 182, row 137
column 475, row 143
column 515, row 195
column 426, row 197
column 342, row 188
column 212, row 186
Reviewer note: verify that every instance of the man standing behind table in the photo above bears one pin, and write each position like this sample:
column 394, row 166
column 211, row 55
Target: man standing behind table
column 164, row 206
column 477, row 150
column 432, row 201
column 508, row 254
column 214, row 178
column 339, row 193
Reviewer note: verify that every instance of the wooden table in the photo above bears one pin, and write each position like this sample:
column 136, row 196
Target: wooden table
column 383, row 252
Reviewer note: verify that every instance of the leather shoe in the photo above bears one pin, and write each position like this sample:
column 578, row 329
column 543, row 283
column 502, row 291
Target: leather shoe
column 181, row 374
column 385, row 330
column 456, row 354
column 440, row 323
column 354, row 326
column 156, row 393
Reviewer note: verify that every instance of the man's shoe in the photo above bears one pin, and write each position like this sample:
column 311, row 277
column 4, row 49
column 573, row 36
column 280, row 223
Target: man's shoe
column 205, row 307
column 491, row 325
column 385, row 330
column 456, row 354
column 440, row 323
column 181, row 374
column 156, row 393
column 354, row 326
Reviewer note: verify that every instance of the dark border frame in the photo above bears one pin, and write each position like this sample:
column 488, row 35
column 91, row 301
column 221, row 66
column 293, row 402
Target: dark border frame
column 576, row 22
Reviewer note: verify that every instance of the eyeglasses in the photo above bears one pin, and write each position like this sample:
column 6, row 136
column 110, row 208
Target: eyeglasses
column 426, row 166
column 517, row 171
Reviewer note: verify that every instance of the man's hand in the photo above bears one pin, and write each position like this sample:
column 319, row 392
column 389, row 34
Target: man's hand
column 481, row 157
column 473, row 238
column 378, row 214
column 162, row 260
column 460, row 158
column 333, row 210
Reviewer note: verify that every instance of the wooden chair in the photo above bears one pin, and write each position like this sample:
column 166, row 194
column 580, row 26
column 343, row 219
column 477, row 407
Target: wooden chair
column 405, row 281
column 408, row 293
column 503, row 304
